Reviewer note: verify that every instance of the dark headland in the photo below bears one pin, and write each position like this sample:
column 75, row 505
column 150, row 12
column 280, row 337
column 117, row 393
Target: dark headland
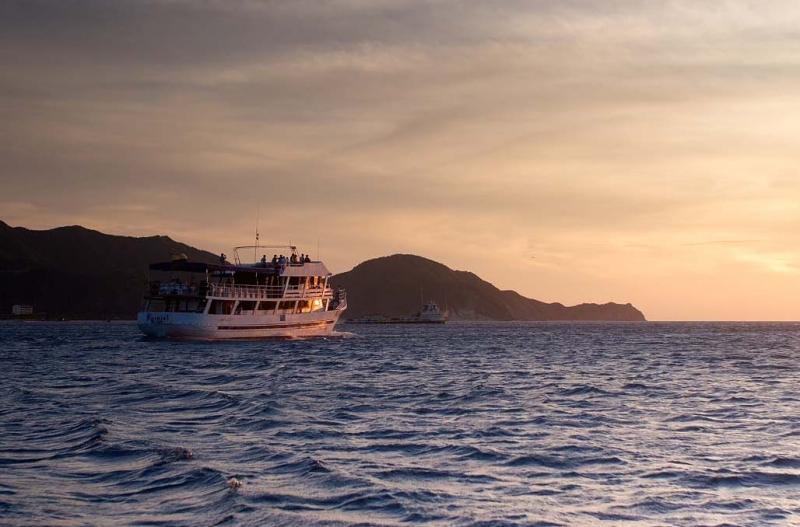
column 395, row 286
column 78, row 273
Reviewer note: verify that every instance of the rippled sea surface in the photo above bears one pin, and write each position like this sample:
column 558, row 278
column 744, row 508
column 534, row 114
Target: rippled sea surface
column 463, row 424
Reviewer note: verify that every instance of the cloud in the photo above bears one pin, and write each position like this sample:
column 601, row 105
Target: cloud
column 604, row 139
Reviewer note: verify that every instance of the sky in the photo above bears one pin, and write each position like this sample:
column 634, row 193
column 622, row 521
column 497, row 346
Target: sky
column 574, row 151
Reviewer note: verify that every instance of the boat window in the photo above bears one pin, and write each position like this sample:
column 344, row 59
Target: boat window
column 157, row 306
column 180, row 305
column 243, row 278
column 267, row 305
column 245, row 306
column 221, row 307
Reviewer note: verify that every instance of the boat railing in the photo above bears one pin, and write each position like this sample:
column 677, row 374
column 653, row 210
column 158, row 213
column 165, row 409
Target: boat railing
column 267, row 292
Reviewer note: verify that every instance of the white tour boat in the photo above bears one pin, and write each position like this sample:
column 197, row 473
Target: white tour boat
column 284, row 297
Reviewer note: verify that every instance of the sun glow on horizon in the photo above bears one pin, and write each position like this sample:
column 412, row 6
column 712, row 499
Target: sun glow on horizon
column 575, row 153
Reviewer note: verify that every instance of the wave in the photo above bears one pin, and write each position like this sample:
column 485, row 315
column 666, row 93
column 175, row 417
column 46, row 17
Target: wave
column 484, row 424
column 417, row 473
column 563, row 462
column 744, row 479
column 583, row 390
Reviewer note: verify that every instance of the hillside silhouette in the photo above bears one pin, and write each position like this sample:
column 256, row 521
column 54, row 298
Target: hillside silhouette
column 78, row 273
column 74, row 272
column 396, row 285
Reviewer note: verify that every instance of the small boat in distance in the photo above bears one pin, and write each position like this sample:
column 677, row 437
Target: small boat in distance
column 429, row 314
column 285, row 297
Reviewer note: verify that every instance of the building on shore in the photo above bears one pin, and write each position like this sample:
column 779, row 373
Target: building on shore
column 21, row 310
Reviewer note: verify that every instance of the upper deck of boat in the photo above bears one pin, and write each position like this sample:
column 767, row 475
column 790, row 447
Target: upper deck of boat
column 265, row 268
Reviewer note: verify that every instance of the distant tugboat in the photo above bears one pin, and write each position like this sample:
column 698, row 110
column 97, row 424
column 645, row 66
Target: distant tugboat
column 430, row 314
column 286, row 297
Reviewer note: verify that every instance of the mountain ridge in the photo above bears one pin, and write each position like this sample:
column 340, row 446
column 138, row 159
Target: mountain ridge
column 81, row 273
column 404, row 278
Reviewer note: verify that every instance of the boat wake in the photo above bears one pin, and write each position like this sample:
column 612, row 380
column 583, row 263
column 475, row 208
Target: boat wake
column 344, row 334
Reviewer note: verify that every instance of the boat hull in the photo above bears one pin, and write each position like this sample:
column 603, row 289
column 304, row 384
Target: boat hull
column 225, row 327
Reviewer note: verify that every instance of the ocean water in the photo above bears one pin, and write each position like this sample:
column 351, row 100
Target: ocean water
column 464, row 424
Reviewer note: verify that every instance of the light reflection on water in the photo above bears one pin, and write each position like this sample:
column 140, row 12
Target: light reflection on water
column 467, row 424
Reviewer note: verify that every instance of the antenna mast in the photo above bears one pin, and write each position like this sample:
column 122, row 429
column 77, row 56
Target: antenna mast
column 255, row 249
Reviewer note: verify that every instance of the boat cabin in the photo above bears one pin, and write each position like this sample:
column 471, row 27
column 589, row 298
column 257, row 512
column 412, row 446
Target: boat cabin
column 265, row 287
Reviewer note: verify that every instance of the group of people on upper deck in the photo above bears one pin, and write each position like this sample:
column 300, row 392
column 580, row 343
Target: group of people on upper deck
column 283, row 260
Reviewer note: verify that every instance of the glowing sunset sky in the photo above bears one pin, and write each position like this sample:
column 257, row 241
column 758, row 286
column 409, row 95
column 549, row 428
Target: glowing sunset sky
column 642, row 152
